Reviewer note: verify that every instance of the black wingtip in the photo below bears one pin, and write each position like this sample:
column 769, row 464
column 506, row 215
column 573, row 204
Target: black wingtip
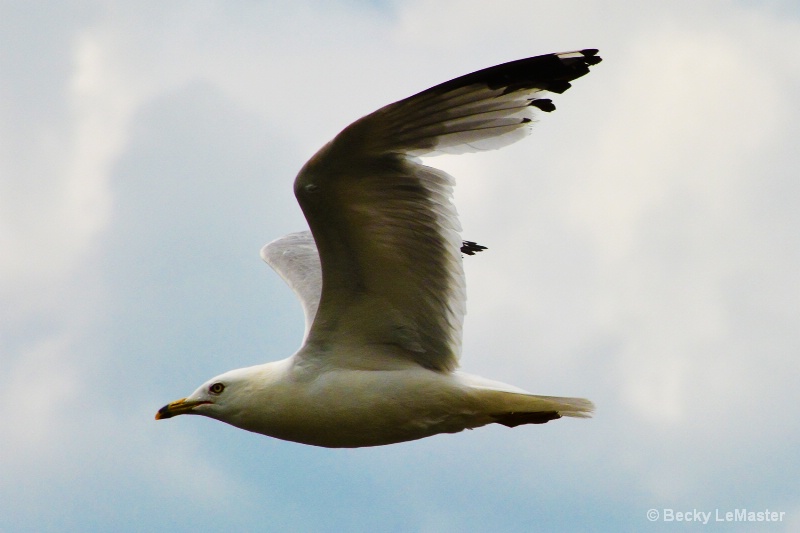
column 590, row 56
column 544, row 104
column 471, row 248
column 548, row 72
column 558, row 86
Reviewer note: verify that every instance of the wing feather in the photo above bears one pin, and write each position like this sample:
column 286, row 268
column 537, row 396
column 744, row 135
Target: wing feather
column 294, row 257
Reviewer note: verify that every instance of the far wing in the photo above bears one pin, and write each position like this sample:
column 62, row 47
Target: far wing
column 294, row 257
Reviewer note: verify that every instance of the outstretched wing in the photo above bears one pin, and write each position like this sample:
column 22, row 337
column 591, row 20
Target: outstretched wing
column 385, row 225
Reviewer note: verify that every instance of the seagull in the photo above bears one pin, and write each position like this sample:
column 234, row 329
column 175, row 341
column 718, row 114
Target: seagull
column 380, row 278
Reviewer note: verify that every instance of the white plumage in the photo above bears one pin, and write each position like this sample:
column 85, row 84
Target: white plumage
column 380, row 277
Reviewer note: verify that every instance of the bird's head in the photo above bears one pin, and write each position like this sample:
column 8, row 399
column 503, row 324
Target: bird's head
column 220, row 397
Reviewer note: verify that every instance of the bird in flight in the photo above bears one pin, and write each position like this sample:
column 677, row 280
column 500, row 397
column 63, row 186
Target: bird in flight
column 380, row 279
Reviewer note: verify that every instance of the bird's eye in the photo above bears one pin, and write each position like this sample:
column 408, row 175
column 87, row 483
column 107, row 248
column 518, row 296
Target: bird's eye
column 216, row 388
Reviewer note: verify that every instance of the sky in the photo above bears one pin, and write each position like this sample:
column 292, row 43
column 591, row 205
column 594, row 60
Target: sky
column 644, row 250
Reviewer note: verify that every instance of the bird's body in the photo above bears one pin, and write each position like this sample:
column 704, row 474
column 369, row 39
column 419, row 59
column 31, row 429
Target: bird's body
column 380, row 278
column 353, row 407
column 388, row 402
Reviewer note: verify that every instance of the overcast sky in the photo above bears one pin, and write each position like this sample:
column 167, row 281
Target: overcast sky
column 644, row 252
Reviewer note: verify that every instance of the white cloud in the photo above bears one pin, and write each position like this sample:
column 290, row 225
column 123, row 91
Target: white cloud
column 39, row 386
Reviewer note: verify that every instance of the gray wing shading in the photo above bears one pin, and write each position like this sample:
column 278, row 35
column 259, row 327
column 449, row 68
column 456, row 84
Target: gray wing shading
column 385, row 225
column 296, row 260
column 294, row 257
column 484, row 110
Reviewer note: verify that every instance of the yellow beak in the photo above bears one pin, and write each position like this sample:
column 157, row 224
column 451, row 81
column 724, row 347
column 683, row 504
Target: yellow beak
column 178, row 407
